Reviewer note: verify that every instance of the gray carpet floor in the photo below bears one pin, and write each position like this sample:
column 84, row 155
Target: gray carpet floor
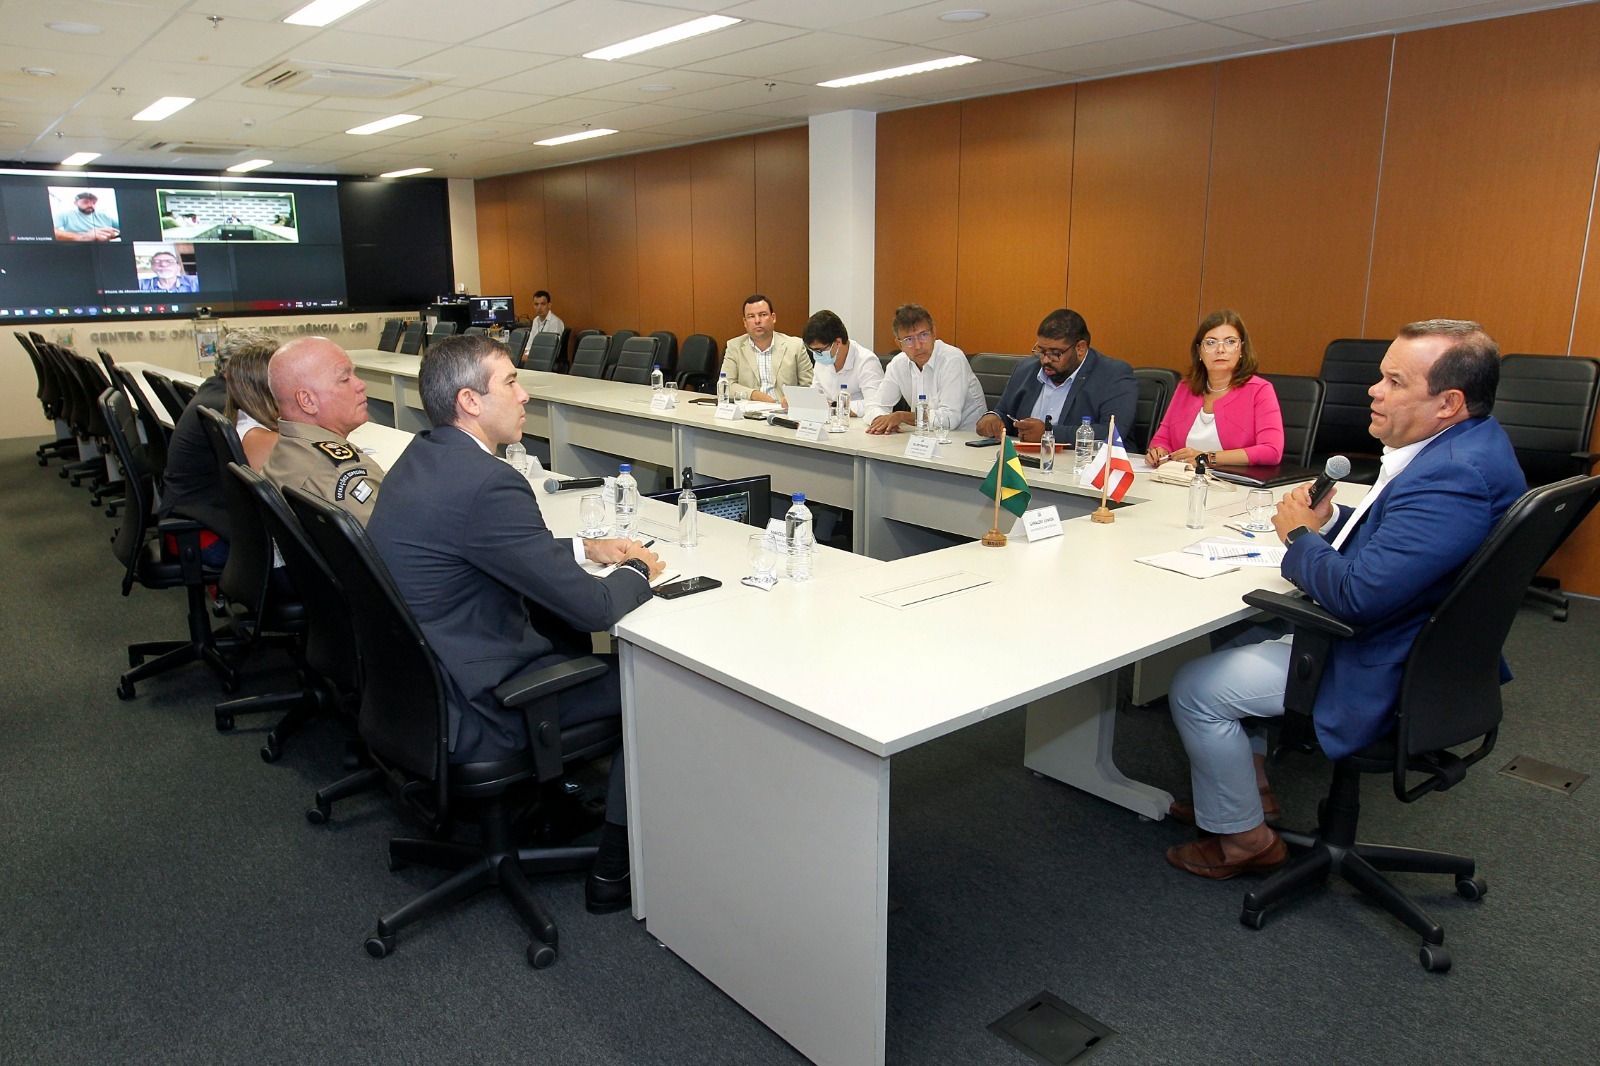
column 162, row 898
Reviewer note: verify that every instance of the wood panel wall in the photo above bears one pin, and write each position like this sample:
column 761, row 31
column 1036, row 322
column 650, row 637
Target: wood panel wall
column 669, row 240
column 1339, row 190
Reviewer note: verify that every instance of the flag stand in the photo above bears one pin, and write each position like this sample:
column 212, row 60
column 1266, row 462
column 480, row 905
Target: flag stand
column 994, row 538
column 1102, row 514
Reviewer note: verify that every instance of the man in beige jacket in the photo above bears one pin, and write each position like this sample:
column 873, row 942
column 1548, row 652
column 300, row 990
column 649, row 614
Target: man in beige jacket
column 762, row 362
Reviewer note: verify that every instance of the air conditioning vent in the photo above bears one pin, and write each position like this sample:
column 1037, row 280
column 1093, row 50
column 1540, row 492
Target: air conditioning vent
column 311, row 78
column 195, row 148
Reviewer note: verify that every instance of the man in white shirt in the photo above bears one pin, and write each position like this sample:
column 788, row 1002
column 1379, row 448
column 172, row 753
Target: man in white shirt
column 838, row 360
column 926, row 366
column 763, row 361
column 544, row 319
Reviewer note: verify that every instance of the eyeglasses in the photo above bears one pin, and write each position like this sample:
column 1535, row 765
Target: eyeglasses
column 915, row 338
column 1054, row 353
column 1211, row 344
column 826, row 349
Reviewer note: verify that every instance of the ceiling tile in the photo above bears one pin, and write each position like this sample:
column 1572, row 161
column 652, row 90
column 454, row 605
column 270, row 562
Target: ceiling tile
column 1176, row 44
column 683, row 83
column 792, row 54
column 575, row 28
column 190, row 38
column 429, row 20
column 1117, row 18
column 473, row 66
column 121, row 24
column 567, row 76
column 921, row 24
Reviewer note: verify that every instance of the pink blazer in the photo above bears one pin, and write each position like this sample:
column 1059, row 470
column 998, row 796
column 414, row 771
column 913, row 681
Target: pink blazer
column 1248, row 417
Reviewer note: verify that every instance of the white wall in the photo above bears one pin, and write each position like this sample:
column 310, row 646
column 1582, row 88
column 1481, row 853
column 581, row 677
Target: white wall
column 464, row 236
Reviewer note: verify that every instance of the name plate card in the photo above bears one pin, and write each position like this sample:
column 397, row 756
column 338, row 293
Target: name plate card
column 663, row 401
column 1041, row 523
column 922, row 448
column 809, row 431
column 728, row 412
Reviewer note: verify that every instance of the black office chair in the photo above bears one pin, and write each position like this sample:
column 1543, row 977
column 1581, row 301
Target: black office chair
column 405, row 724
column 667, row 352
column 1449, row 697
column 1349, row 369
column 475, row 331
column 699, row 362
column 1546, row 403
column 389, row 339
column 166, row 391
column 543, row 353
column 1300, row 399
column 104, row 477
column 992, row 372
column 589, row 360
column 440, row 331
column 564, row 350
column 140, row 545
column 517, row 343
column 186, row 391
column 411, row 340
column 156, row 434
column 614, row 349
column 1156, row 386
column 48, row 393
column 636, row 361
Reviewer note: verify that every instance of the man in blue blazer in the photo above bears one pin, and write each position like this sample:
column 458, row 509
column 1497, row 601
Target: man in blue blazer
column 1066, row 380
column 463, row 537
column 1448, row 474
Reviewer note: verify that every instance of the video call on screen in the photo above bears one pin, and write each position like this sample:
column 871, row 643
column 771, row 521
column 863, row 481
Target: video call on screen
column 97, row 245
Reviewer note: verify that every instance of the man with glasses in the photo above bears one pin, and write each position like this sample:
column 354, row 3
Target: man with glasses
column 168, row 276
column 926, row 366
column 763, row 361
column 841, row 361
column 1067, row 381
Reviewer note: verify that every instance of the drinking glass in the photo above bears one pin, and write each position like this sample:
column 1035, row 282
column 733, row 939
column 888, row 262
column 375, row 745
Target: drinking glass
column 592, row 516
column 762, row 556
column 1259, row 506
column 939, row 425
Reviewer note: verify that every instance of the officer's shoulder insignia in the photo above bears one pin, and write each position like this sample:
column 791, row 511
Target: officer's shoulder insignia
column 335, row 450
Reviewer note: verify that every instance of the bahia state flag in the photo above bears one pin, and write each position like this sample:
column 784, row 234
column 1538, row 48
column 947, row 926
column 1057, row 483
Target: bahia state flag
column 1014, row 494
column 1112, row 460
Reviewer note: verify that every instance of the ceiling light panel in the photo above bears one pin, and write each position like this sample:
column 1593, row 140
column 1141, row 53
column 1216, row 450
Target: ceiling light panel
column 551, row 142
column 671, row 35
column 407, row 173
column 382, row 124
column 925, row 67
column 248, row 165
column 78, row 159
column 322, row 12
column 163, row 108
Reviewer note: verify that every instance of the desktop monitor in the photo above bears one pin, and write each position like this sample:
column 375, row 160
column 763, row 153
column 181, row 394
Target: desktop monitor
column 747, row 500
column 493, row 311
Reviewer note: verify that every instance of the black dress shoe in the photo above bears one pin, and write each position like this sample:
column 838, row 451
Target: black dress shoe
column 607, row 895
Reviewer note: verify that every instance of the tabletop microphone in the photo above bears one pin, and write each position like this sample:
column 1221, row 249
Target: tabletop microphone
column 1337, row 468
column 552, row 484
column 779, row 420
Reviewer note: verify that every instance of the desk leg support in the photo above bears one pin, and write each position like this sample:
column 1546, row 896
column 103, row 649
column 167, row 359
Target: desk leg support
column 1069, row 737
column 764, row 845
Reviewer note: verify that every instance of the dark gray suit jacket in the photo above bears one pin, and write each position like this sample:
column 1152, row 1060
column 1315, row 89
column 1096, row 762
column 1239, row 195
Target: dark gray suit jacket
column 463, row 537
column 1104, row 387
column 193, row 480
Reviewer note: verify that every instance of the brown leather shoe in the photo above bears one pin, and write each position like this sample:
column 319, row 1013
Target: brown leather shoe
column 1271, row 810
column 1204, row 858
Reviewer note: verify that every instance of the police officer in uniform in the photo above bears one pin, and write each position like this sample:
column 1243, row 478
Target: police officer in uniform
column 321, row 401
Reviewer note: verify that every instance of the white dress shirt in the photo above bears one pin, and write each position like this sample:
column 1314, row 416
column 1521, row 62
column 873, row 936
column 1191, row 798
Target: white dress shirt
column 549, row 324
column 863, row 373
column 1394, row 461
column 947, row 381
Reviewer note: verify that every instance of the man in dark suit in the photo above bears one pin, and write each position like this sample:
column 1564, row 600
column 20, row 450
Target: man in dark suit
column 1448, row 474
column 462, row 534
column 1066, row 380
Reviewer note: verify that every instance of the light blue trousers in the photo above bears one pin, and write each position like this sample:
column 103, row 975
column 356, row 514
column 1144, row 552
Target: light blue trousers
column 1215, row 700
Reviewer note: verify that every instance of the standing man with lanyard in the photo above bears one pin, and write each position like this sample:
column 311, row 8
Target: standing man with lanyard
column 763, row 361
column 1066, row 380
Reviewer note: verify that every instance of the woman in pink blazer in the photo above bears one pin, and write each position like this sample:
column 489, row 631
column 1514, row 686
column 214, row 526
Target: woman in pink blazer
column 1222, row 409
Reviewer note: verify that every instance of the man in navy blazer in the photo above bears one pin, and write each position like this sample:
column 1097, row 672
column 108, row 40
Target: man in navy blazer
column 1448, row 474
column 463, row 537
column 1067, row 380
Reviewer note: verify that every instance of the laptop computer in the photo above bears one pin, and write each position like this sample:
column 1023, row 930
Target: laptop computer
column 806, row 404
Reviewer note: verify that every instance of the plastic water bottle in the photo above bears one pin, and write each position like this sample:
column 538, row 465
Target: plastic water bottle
column 517, row 456
column 658, row 380
column 840, row 422
column 722, row 390
column 1047, row 448
column 798, row 541
column 924, row 414
column 1083, row 446
column 627, row 501
column 688, row 512
column 1197, row 495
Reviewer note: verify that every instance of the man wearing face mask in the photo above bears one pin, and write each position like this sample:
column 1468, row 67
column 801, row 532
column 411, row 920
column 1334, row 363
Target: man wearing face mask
column 841, row 361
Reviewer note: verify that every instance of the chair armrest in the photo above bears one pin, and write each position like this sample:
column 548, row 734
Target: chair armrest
column 186, row 531
column 1301, row 611
column 1588, row 459
column 535, row 695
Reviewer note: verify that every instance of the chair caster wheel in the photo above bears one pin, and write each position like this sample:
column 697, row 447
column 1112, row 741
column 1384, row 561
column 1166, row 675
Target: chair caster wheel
column 379, row 946
column 1252, row 919
column 318, row 815
column 1472, row 887
column 1435, row 958
column 272, row 750
column 124, row 690
column 1559, row 614
column 224, row 723
column 230, row 684
column 541, row 954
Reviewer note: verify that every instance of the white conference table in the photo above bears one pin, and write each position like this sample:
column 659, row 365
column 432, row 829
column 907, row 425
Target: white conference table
column 759, row 782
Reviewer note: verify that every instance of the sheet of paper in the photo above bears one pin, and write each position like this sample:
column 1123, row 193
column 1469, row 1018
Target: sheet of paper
column 1188, row 565
column 1244, row 554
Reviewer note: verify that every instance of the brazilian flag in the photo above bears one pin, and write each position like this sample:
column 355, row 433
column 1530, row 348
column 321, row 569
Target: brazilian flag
column 1014, row 494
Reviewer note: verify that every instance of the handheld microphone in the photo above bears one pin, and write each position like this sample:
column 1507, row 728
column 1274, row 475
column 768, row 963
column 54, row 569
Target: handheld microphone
column 1337, row 468
column 557, row 485
column 779, row 420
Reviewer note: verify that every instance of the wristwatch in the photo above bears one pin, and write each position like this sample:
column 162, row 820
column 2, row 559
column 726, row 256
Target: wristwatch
column 638, row 566
column 1295, row 534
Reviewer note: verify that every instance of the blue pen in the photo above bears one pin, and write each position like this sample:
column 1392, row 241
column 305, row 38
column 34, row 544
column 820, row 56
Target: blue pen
column 1246, row 532
column 1251, row 555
